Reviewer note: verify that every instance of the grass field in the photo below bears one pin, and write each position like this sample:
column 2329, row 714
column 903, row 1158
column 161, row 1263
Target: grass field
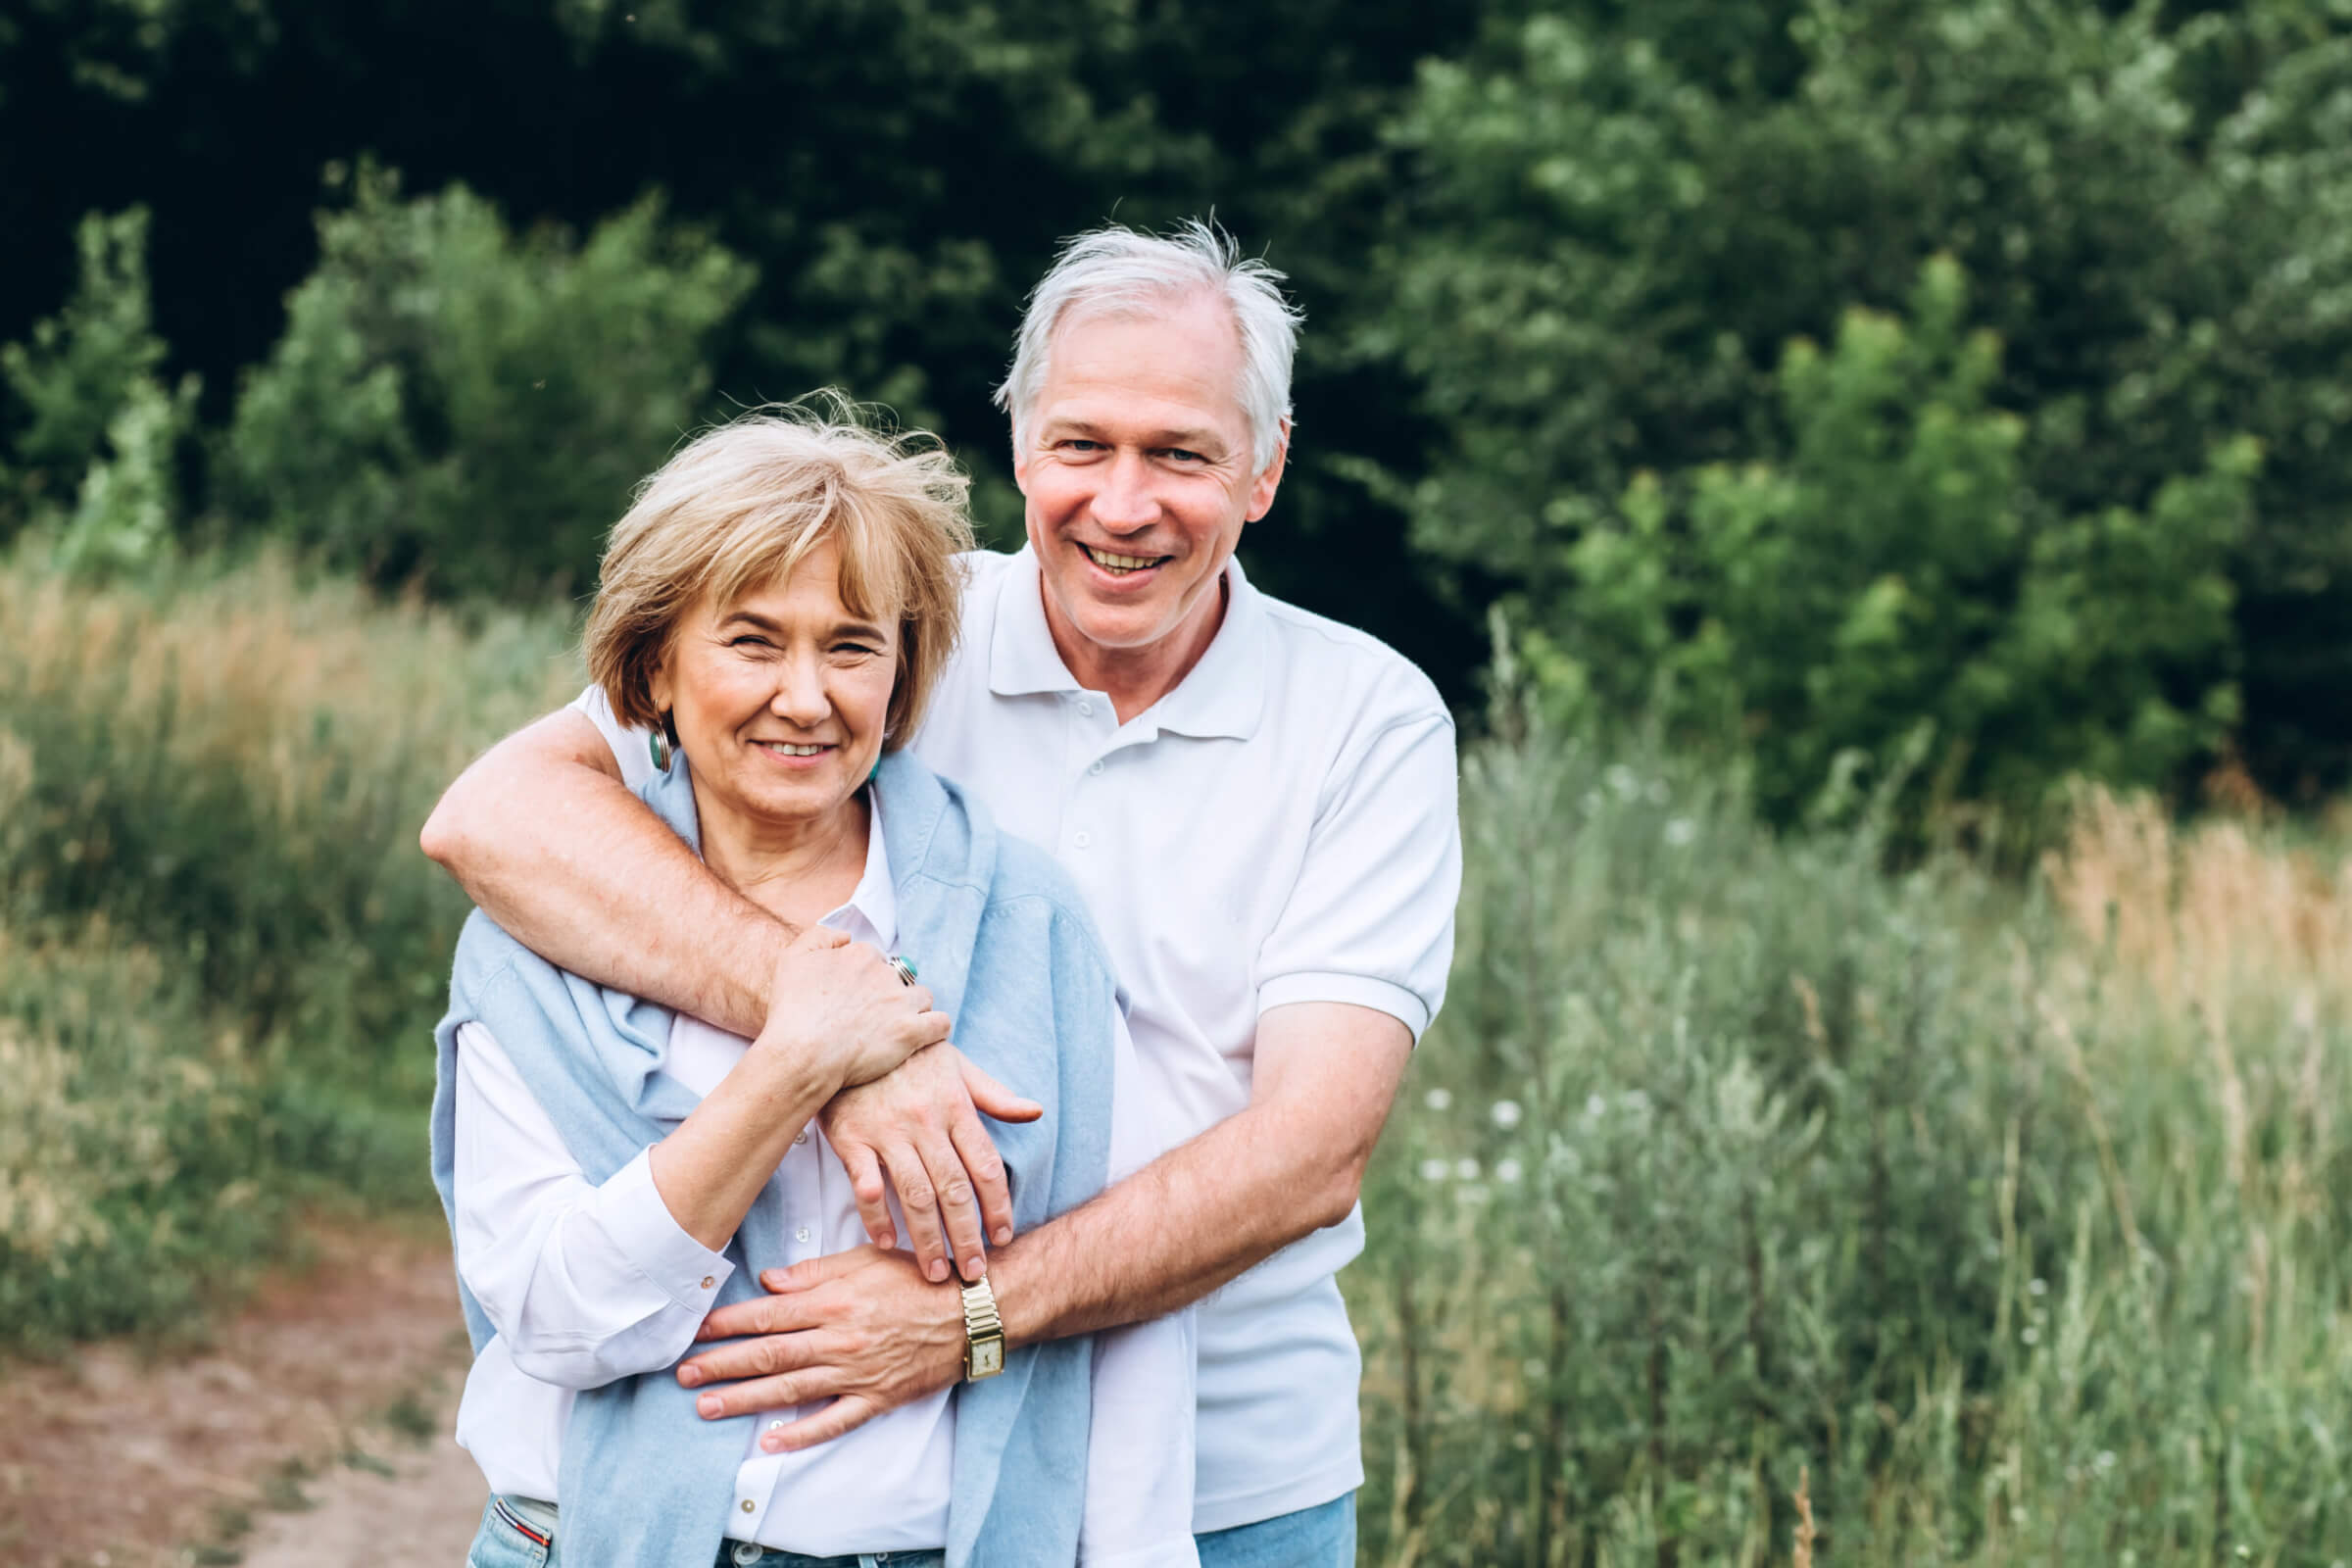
column 2001, row 1218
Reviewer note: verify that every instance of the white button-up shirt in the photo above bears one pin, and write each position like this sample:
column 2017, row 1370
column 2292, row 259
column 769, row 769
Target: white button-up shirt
column 1278, row 828
column 586, row 1284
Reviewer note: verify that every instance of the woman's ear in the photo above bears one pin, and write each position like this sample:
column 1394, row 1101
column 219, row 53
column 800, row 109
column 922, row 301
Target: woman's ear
column 658, row 685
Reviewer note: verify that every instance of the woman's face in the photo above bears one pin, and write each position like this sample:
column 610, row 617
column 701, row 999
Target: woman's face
column 779, row 699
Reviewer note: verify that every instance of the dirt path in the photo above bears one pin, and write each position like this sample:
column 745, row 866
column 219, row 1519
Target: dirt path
column 312, row 1430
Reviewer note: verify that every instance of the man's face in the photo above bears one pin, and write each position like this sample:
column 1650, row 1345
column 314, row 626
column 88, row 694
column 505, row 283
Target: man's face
column 1138, row 470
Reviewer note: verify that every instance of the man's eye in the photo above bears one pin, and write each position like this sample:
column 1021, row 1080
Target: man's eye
column 1180, row 455
column 1074, row 443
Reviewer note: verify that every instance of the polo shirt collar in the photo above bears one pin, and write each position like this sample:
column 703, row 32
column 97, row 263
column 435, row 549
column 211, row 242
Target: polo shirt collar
column 1223, row 694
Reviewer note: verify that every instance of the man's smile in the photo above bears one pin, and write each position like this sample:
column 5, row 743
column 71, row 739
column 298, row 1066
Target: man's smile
column 1120, row 565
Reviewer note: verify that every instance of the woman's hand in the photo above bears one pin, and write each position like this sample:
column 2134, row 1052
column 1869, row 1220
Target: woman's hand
column 839, row 1005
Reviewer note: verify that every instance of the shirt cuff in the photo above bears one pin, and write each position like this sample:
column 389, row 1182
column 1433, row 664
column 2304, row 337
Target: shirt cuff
column 1362, row 990
column 630, row 1209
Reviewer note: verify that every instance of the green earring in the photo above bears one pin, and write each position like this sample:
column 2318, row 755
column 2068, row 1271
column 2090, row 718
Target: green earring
column 658, row 746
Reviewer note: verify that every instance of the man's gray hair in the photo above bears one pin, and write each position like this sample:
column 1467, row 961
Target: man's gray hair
column 1114, row 270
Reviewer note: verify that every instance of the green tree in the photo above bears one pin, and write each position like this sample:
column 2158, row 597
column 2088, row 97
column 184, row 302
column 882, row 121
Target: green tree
column 455, row 404
column 97, row 434
column 1611, row 232
column 1899, row 567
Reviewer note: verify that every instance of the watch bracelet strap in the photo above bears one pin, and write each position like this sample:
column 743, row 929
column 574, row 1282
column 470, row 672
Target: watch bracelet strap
column 981, row 1319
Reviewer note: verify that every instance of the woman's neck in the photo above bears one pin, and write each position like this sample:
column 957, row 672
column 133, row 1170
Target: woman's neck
column 798, row 870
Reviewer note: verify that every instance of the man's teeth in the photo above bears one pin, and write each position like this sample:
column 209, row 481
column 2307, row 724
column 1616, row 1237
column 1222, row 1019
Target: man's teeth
column 1104, row 559
column 783, row 748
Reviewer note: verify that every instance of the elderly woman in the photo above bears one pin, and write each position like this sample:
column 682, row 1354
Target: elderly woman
column 776, row 607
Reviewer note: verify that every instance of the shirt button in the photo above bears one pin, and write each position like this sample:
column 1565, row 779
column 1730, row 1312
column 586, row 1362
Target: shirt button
column 800, row 1138
column 1086, row 709
column 1097, row 768
column 801, row 1235
column 710, row 1280
column 746, row 1506
column 1082, row 840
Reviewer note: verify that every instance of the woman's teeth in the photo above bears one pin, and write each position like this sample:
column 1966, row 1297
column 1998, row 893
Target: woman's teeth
column 781, row 749
column 1110, row 562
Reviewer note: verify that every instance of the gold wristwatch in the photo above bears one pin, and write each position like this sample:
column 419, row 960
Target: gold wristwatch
column 983, row 1332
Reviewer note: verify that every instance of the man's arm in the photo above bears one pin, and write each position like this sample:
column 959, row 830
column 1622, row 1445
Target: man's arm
column 544, row 836
column 541, row 833
column 864, row 1323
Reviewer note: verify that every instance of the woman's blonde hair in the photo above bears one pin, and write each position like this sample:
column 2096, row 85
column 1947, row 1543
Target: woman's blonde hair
column 742, row 505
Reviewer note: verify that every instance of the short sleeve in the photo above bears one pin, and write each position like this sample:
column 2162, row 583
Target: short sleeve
column 629, row 744
column 1371, row 920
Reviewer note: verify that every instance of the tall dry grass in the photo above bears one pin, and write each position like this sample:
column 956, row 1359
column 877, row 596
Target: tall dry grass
column 212, row 901
column 2013, row 1219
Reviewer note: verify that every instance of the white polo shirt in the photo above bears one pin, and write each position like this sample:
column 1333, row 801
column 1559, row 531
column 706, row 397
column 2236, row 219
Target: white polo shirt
column 1279, row 828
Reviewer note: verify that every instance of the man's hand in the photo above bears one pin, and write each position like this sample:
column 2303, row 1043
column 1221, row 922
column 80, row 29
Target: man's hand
column 920, row 1127
column 861, row 1328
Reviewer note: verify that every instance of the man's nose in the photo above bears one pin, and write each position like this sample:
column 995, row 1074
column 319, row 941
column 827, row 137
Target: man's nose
column 1126, row 500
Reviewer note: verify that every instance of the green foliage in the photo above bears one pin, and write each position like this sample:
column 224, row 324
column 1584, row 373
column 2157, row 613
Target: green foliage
column 96, row 444
column 221, row 954
column 1733, row 1160
column 1898, row 570
column 1613, row 233
column 456, row 406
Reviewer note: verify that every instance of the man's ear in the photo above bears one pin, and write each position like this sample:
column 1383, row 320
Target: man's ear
column 1269, row 479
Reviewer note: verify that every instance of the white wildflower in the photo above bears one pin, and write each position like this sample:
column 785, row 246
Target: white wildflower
column 1506, row 1171
column 1438, row 1098
column 1506, row 1113
column 1466, row 1169
column 1435, row 1170
column 1680, row 831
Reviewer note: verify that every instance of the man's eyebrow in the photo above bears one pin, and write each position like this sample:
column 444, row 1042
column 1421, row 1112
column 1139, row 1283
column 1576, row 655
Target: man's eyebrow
column 1191, row 438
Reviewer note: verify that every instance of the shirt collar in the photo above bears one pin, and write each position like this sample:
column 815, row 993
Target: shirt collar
column 874, row 901
column 1223, row 694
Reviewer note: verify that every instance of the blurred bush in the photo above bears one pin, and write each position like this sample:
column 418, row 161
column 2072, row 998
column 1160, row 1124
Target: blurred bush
column 459, row 407
column 96, row 453
column 1898, row 573
column 223, row 953
column 2009, row 1226
column 1614, row 219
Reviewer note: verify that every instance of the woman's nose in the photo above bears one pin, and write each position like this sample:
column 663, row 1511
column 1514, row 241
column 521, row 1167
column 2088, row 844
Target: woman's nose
column 799, row 695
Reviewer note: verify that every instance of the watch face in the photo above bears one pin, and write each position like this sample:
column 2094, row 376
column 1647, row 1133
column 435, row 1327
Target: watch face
column 988, row 1358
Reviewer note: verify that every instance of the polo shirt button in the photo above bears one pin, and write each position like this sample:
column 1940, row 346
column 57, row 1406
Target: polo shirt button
column 800, row 1138
column 1086, row 709
column 801, row 1235
column 1097, row 768
column 1082, row 840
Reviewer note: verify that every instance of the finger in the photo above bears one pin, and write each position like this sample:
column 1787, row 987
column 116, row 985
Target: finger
column 845, row 1415
column 872, row 1194
column 816, row 1271
column 986, row 1168
column 767, row 1355
column 765, row 1314
column 927, row 1029
column 919, row 996
column 819, row 939
column 958, row 1204
column 765, row 1393
column 919, row 1206
column 994, row 1099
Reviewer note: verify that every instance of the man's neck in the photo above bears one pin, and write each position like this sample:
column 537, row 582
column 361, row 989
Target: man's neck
column 1133, row 678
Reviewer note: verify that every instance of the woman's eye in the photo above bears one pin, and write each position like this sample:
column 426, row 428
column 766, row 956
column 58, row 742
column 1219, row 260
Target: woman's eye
column 748, row 641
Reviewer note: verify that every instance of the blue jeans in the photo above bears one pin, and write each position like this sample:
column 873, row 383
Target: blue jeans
column 516, row 1533
column 1321, row 1536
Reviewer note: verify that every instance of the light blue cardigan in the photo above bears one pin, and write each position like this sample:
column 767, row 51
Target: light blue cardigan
column 1004, row 943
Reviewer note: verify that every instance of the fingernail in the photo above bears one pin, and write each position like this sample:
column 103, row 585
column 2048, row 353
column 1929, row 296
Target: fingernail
column 974, row 1266
column 691, row 1376
column 771, row 1444
column 938, row 1270
column 1004, row 1235
column 772, row 1280
column 890, row 1239
column 708, row 1405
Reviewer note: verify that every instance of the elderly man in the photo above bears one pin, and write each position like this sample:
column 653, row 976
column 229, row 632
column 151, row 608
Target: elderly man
column 1259, row 807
